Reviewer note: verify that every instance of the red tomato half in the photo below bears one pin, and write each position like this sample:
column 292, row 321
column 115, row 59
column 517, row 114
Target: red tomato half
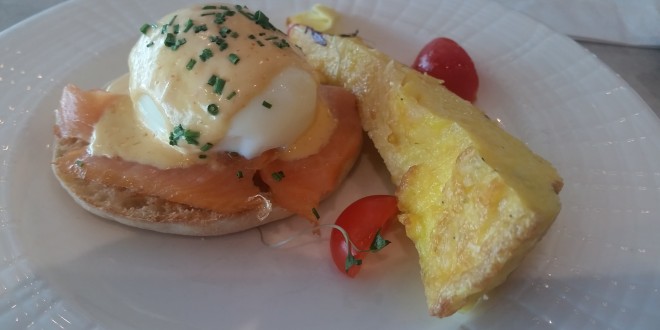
column 444, row 59
column 361, row 220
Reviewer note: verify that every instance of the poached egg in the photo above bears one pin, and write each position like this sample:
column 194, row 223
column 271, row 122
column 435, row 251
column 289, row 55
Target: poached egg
column 213, row 78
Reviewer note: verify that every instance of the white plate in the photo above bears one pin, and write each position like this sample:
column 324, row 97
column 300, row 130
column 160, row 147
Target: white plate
column 597, row 267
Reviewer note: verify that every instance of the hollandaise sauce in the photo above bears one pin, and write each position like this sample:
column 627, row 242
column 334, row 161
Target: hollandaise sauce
column 214, row 78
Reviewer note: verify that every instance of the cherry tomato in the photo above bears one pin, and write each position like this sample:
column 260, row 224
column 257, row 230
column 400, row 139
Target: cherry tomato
column 444, row 59
column 361, row 220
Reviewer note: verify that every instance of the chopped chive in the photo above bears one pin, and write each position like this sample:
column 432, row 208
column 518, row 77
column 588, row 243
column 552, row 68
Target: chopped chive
column 173, row 19
column 212, row 80
column 261, row 34
column 219, row 85
column 191, row 64
column 225, row 31
column 213, row 109
column 219, row 18
column 277, row 176
column 151, row 43
column 209, row 7
column 189, row 24
column 145, row 28
column 79, row 163
column 175, row 28
column 231, row 95
column 206, row 147
column 205, row 55
column 219, row 41
column 316, row 213
column 252, row 37
column 234, row 35
column 281, row 44
column 233, row 58
column 239, row 174
column 266, row 104
column 170, row 40
column 179, row 132
column 202, row 156
column 164, row 29
column 191, row 136
column 176, row 134
column 271, row 38
column 200, row 28
column 179, row 43
column 262, row 20
column 261, row 44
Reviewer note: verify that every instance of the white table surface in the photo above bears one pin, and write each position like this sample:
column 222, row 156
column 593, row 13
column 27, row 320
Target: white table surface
column 640, row 67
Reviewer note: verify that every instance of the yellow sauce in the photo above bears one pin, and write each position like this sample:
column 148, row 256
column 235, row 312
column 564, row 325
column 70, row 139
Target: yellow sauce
column 269, row 98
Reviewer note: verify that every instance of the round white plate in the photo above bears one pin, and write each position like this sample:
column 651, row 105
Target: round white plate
column 597, row 268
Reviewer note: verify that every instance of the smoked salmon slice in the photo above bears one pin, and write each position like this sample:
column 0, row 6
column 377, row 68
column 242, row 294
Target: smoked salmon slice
column 226, row 183
column 299, row 185
column 80, row 110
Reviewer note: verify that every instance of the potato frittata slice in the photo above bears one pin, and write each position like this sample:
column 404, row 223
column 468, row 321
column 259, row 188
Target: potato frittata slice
column 473, row 198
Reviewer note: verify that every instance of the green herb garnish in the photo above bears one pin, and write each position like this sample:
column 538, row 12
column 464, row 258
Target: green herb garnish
column 212, row 80
column 205, row 55
column 213, row 109
column 277, row 176
column 281, row 43
column 262, row 20
column 266, row 104
column 231, row 95
column 188, row 135
column 191, row 64
column 219, row 85
column 179, row 43
column 200, row 28
column 233, row 58
column 219, row 18
column 206, row 147
column 170, row 40
column 189, row 24
column 145, row 28
column 224, row 31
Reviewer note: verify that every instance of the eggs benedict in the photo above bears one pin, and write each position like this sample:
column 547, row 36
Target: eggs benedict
column 219, row 126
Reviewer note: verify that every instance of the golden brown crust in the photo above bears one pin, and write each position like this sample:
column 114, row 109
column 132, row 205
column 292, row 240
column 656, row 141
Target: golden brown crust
column 473, row 198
